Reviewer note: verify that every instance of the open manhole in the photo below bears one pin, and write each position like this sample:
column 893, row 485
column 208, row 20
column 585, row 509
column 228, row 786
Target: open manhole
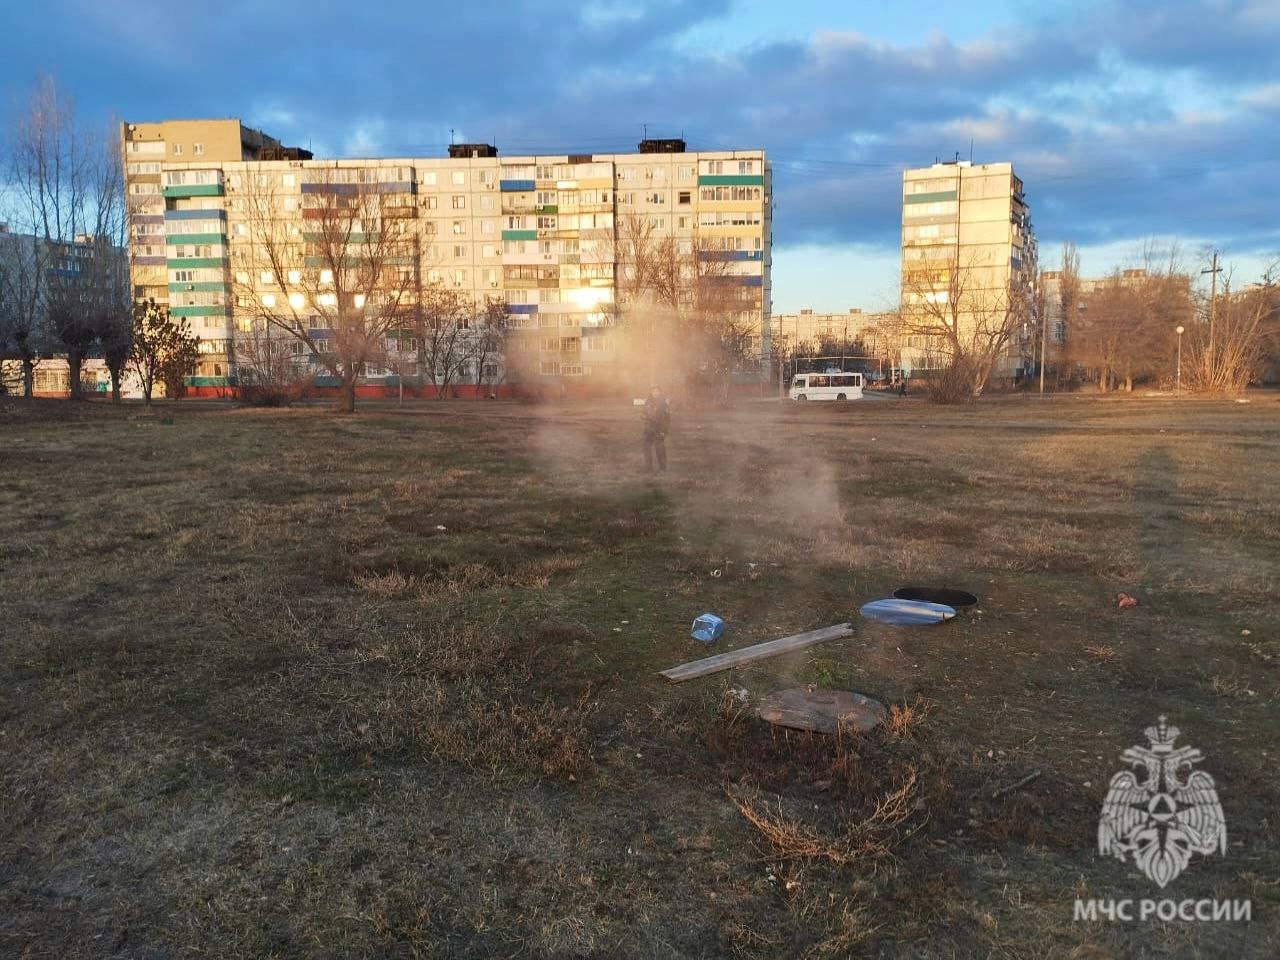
column 906, row 613
column 943, row 595
column 824, row 711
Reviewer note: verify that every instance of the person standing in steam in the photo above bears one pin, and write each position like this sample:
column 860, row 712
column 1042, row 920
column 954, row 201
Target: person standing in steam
column 657, row 418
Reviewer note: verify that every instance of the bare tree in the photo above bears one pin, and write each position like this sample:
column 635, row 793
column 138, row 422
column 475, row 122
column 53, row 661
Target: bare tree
column 68, row 185
column 343, row 284
column 1125, row 333
column 684, row 306
column 967, row 312
column 270, row 371
column 490, row 341
column 1229, row 353
column 24, row 335
column 445, row 323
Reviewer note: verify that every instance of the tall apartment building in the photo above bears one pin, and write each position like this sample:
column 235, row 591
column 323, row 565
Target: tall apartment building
column 541, row 233
column 966, row 233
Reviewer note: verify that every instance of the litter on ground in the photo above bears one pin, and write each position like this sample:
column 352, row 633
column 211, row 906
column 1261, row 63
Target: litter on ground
column 708, row 628
column 823, row 711
column 772, row 648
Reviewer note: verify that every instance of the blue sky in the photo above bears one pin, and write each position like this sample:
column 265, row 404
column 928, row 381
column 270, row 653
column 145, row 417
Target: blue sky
column 1126, row 120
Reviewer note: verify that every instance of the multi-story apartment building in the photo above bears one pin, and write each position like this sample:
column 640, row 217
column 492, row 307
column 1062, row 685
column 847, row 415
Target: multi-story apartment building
column 808, row 329
column 968, row 256
column 540, row 233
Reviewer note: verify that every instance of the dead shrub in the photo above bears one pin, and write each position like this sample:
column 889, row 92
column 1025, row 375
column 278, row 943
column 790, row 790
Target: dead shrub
column 1100, row 652
column 870, row 837
column 904, row 718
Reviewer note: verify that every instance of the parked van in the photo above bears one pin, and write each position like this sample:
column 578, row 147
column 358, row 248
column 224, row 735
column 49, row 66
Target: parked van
column 827, row 386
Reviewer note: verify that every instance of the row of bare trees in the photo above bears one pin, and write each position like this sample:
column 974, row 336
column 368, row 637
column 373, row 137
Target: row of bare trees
column 1117, row 331
column 64, row 280
column 1126, row 328
column 686, row 315
column 346, row 293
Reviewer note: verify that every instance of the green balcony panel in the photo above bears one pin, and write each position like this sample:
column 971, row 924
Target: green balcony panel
column 519, row 234
column 731, row 180
column 198, row 311
column 547, row 208
column 173, row 239
column 192, row 263
column 194, row 190
column 938, row 197
column 200, row 286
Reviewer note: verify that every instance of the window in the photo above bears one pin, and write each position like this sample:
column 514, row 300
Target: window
column 429, row 202
column 459, row 250
column 289, row 180
column 267, row 277
column 177, row 149
column 268, row 300
column 486, row 203
column 459, row 178
column 459, row 202
column 327, row 299
column 486, row 227
column 326, row 276
column 686, row 196
column 459, row 227
column 241, row 229
column 295, row 276
column 459, row 278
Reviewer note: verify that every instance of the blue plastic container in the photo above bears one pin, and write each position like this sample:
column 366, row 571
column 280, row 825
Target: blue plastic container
column 708, row 628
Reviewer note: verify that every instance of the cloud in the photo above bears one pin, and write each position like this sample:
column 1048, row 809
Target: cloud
column 1124, row 120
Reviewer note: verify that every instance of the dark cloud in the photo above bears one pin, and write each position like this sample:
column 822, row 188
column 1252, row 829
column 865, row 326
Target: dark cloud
column 1124, row 120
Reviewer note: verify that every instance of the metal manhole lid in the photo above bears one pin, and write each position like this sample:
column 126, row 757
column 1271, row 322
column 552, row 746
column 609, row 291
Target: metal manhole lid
column 906, row 613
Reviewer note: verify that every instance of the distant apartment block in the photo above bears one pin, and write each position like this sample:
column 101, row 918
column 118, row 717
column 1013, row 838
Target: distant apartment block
column 810, row 330
column 540, row 233
column 966, row 233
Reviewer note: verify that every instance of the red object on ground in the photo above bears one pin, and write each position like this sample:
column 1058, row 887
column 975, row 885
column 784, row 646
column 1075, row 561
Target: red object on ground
column 1124, row 600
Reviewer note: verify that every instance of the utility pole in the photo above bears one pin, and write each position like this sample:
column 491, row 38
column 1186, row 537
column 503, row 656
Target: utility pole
column 1213, row 272
column 1044, row 331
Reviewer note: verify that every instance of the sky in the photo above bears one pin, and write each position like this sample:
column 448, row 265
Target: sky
column 1127, row 121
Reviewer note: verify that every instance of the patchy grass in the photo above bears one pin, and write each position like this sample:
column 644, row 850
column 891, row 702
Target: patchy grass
column 288, row 684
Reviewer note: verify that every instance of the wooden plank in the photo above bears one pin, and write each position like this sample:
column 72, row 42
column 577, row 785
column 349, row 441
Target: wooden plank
column 772, row 648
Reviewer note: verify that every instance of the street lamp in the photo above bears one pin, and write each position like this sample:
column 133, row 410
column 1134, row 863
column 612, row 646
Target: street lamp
column 1179, row 331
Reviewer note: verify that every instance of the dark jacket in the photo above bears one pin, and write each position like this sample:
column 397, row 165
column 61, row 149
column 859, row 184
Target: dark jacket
column 657, row 416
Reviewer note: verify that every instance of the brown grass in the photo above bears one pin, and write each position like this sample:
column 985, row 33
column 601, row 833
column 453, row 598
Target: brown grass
column 255, row 701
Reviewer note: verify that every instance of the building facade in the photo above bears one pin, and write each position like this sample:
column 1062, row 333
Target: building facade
column 540, row 233
column 807, row 329
column 968, row 257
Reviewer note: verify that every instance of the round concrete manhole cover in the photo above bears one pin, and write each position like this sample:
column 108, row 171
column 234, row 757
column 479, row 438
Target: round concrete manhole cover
column 944, row 595
column 824, row 711
column 906, row 613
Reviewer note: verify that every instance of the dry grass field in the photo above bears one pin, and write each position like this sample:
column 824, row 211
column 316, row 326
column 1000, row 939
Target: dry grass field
column 288, row 684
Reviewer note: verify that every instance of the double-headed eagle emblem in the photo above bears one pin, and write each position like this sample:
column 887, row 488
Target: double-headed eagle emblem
column 1162, row 819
